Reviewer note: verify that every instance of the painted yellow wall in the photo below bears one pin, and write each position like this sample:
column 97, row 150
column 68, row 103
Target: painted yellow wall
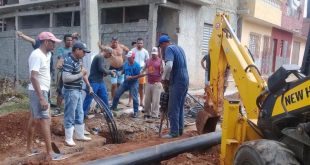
column 248, row 27
column 267, row 12
column 261, row 10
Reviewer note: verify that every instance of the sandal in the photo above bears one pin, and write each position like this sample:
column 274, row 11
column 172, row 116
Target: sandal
column 33, row 152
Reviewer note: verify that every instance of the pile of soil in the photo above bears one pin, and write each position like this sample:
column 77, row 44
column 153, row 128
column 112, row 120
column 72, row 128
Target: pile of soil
column 13, row 131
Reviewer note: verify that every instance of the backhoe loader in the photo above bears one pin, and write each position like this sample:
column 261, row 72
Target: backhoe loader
column 270, row 123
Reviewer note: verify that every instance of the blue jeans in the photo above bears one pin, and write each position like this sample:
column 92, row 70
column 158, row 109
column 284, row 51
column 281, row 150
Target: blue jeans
column 73, row 108
column 177, row 94
column 133, row 89
column 99, row 89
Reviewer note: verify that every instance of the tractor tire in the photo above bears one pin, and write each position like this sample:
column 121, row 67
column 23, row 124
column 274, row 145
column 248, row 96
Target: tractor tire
column 264, row 152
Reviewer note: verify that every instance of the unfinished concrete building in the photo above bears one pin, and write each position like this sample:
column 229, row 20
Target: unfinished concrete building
column 188, row 22
column 30, row 17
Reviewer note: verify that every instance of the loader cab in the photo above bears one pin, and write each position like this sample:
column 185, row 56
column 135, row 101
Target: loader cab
column 275, row 115
column 285, row 74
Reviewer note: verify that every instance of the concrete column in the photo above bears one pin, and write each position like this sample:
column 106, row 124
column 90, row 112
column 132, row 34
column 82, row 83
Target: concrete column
column 90, row 23
column 153, row 9
column 124, row 14
column 2, row 25
column 72, row 18
column 51, row 20
column 16, row 52
column 308, row 9
column 89, row 28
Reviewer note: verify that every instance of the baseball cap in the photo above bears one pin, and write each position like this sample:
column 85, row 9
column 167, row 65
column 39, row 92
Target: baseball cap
column 48, row 36
column 154, row 50
column 108, row 50
column 130, row 54
column 80, row 45
column 163, row 38
column 115, row 38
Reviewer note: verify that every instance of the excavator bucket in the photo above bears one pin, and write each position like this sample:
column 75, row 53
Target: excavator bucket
column 207, row 119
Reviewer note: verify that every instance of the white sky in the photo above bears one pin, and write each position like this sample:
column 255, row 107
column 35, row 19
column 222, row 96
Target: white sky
column 305, row 8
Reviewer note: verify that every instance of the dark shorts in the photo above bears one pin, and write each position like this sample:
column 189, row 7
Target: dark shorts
column 117, row 69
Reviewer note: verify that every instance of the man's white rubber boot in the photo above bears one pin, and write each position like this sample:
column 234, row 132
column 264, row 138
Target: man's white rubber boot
column 69, row 137
column 85, row 131
column 79, row 133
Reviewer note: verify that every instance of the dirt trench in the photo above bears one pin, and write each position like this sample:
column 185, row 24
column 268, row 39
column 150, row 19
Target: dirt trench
column 137, row 133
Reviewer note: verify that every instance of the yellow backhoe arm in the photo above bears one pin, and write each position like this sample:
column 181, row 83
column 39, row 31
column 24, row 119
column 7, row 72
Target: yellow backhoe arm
column 274, row 119
column 225, row 48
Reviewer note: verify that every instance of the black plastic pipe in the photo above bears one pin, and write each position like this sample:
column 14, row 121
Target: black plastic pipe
column 162, row 151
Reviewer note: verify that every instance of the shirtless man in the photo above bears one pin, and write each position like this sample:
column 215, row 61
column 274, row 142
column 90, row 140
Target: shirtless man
column 116, row 62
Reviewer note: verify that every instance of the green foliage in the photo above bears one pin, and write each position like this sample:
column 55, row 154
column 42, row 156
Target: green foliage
column 19, row 103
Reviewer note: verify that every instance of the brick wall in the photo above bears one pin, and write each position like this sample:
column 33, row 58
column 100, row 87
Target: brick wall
column 126, row 33
column 7, row 55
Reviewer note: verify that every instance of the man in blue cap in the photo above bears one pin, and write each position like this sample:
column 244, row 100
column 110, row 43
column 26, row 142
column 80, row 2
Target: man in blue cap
column 175, row 79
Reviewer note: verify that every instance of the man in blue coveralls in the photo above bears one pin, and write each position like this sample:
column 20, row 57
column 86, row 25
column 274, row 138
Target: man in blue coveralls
column 175, row 77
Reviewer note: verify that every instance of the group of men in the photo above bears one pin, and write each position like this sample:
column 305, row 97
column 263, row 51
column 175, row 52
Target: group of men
column 128, row 69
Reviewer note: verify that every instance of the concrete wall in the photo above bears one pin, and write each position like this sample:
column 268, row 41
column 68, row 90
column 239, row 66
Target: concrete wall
column 12, row 2
column 188, row 39
column 301, row 50
column 126, row 33
column 7, row 56
column 34, row 21
column 193, row 18
column 169, row 24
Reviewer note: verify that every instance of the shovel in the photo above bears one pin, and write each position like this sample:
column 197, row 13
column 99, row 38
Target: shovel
column 55, row 148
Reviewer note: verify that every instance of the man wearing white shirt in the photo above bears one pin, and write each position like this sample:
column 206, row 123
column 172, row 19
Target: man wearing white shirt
column 39, row 70
column 142, row 55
